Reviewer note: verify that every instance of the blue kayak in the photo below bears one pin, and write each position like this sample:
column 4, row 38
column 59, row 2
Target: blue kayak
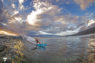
column 41, row 45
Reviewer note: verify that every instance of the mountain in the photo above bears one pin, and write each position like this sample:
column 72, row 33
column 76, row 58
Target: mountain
column 44, row 36
column 87, row 31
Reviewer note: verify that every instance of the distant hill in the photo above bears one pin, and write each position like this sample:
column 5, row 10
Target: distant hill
column 87, row 31
column 44, row 36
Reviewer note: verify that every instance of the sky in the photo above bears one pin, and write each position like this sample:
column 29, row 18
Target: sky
column 52, row 17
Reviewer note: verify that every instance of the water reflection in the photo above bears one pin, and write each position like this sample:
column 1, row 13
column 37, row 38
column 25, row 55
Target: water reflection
column 91, row 50
column 59, row 50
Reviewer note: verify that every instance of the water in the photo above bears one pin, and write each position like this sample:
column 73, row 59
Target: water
column 58, row 50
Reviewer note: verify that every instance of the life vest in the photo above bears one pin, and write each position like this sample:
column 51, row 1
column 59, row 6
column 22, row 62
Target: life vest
column 38, row 42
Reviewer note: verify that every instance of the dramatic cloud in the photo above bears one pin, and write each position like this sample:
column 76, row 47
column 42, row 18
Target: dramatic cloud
column 42, row 12
column 69, row 32
column 90, row 22
column 6, row 32
column 63, row 33
column 21, row 1
column 84, row 3
column 41, row 16
column 21, row 4
column 13, row 5
column 45, row 33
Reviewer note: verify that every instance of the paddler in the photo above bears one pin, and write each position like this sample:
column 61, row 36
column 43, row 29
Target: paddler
column 37, row 41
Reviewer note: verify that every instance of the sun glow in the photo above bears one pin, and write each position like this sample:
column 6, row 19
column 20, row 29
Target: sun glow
column 40, row 8
column 32, row 18
column 8, row 33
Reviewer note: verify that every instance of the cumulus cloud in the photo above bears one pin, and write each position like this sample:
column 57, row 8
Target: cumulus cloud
column 84, row 3
column 45, row 14
column 13, row 5
column 90, row 22
column 42, row 12
column 50, row 19
column 63, row 33
column 45, row 33
column 21, row 1
column 21, row 4
column 45, row 17
column 69, row 32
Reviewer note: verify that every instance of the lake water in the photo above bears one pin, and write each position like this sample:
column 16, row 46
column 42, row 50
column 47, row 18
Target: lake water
column 58, row 50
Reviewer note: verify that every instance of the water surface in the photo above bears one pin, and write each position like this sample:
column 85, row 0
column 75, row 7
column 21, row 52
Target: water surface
column 58, row 50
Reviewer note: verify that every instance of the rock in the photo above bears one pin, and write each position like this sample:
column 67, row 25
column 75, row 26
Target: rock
column 2, row 48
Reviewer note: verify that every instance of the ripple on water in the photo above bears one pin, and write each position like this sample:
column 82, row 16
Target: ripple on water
column 59, row 50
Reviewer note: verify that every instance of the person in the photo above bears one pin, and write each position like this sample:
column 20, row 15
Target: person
column 39, row 44
column 37, row 41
